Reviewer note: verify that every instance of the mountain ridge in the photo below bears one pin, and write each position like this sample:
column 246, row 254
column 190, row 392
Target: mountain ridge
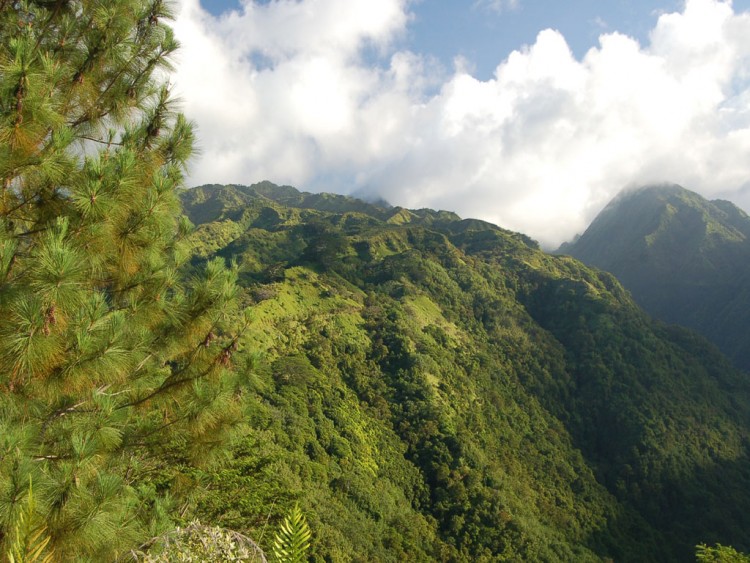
column 685, row 259
column 447, row 373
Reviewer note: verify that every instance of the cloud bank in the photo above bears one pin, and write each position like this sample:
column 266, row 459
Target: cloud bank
column 317, row 94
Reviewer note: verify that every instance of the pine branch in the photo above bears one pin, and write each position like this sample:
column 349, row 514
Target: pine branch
column 30, row 540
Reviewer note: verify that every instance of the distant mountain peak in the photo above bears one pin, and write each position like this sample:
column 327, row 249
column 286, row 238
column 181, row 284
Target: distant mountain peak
column 684, row 258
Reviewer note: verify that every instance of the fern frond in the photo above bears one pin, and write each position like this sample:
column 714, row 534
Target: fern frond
column 293, row 538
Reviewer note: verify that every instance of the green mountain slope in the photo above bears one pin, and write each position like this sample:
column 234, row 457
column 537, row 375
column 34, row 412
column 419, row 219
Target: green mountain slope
column 685, row 259
column 430, row 388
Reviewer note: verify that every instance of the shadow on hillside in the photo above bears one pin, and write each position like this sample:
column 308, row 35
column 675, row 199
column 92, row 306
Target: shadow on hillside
column 709, row 506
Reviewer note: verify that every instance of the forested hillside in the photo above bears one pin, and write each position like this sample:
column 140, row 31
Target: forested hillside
column 416, row 386
column 435, row 388
column 685, row 259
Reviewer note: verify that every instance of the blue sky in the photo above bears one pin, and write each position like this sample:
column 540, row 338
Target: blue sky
column 483, row 34
column 531, row 114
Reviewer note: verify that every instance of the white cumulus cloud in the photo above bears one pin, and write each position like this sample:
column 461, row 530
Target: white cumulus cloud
column 317, row 94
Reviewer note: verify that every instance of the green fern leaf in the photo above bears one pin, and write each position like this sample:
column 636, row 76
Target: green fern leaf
column 292, row 541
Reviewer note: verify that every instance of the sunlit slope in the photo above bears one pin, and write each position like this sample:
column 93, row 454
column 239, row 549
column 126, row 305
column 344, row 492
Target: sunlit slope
column 432, row 388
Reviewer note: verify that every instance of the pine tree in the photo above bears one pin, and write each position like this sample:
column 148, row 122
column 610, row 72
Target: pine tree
column 109, row 359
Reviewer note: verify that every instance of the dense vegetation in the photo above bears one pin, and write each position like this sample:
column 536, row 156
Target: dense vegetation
column 410, row 385
column 106, row 373
column 686, row 260
column 436, row 388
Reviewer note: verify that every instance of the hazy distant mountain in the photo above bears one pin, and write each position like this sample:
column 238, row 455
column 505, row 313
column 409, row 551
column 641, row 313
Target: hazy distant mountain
column 685, row 259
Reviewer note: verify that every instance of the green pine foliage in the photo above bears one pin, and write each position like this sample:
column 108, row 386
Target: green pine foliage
column 29, row 540
column 113, row 365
